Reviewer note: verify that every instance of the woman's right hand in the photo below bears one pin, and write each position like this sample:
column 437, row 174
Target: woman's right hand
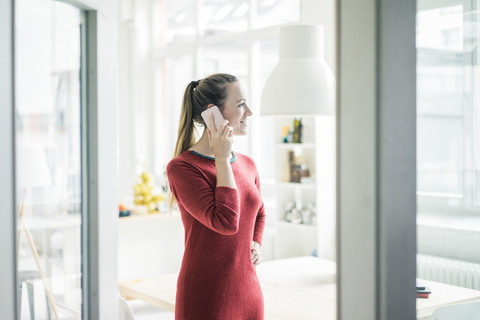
column 220, row 140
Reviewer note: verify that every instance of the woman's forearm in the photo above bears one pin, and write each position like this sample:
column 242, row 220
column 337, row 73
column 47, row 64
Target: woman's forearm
column 225, row 176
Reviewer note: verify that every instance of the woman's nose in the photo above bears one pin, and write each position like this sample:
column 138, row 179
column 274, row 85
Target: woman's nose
column 248, row 111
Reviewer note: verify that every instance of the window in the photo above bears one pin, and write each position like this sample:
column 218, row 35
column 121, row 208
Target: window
column 229, row 37
column 48, row 92
column 448, row 118
column 224, row 17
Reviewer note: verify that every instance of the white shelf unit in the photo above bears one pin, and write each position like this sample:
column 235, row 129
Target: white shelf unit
column 294, row 240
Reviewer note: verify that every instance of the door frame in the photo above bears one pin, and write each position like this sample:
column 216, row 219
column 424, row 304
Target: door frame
column 99, row 162
column 376, row 159
column 8, row 294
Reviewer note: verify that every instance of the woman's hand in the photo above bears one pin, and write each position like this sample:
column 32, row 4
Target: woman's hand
column 255, row 252
column 220, row 140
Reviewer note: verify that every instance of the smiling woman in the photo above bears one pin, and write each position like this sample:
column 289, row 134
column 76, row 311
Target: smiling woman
column 218, row 194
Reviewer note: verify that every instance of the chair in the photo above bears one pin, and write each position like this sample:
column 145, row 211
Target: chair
column 124, row 310
column 469, row 310
column 24, row 283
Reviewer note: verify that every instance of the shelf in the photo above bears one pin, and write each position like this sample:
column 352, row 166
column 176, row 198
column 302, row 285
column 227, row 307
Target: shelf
column 269, row 202
column 152, row 216
column 297, row 226
column 297, row 185
column 295, row 145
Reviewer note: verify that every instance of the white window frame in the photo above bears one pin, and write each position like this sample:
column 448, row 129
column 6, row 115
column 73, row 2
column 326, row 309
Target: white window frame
column 99, row 279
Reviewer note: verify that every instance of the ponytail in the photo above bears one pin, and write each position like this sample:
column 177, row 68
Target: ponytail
column 198, row 95
column 186, row 129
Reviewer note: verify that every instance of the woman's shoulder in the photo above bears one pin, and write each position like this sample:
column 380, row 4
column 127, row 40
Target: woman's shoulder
column 181, row 161
column 245, row 159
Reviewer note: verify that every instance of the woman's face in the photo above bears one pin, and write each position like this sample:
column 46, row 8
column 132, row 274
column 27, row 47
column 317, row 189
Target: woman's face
column 236, row 110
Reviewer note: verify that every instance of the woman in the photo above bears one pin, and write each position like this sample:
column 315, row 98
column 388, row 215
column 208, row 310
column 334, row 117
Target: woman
column 218, row 194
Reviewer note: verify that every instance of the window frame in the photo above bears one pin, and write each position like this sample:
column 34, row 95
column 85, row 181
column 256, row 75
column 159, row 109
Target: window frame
column 100, row 291
column 8, row 268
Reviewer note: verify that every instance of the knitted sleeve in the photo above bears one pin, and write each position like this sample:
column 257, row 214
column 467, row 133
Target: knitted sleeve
column 218, row 208
column 260, row 221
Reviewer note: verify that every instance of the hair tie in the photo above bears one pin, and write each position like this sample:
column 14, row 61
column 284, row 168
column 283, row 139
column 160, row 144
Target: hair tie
column 195, row 83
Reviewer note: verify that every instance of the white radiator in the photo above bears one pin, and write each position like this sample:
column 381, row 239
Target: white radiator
column 449, row 271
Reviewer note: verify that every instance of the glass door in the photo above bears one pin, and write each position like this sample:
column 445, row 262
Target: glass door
column 48, row 117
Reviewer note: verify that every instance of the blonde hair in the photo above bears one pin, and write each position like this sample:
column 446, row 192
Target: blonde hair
column 198, row 95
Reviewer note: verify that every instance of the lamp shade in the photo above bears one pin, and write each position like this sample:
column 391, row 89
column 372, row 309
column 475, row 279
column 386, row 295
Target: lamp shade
column 301, row 83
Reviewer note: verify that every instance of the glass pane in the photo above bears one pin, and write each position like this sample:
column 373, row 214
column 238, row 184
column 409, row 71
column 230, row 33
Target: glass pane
column 440, row 100
column 48, row 158
column 180, row 21
column 224, row 16
column 230, row 58
column 274, row 12
column 448, row 121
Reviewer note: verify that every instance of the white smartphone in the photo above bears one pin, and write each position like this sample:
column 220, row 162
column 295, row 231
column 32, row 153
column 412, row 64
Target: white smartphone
column 217, row 117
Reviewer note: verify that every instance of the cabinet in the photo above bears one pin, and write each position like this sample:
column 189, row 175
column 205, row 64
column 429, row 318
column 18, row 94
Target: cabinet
column 292, row 240
column 317, row 152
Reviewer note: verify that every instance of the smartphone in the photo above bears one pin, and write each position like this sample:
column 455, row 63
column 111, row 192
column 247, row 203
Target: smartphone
column 424, row 291
column 217, row 117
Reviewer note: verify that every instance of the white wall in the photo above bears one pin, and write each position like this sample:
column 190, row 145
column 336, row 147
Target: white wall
column 149, row 246
column 322, row 12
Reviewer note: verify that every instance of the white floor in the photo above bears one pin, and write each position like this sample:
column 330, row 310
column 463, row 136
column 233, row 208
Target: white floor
column 145, row 311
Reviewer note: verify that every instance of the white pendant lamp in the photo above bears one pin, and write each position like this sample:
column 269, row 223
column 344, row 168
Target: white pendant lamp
column 301, row 84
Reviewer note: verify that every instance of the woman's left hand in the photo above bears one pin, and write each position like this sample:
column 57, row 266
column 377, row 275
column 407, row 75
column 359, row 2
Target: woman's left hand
column 255, row 252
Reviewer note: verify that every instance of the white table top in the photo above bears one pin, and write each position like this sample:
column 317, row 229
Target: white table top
column 443, row 295
column 281, row 302
column 296, row 288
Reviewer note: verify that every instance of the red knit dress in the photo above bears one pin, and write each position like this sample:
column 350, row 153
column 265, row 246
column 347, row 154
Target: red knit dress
column 217, row 279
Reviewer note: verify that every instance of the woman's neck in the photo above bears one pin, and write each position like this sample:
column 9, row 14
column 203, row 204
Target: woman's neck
column 203, row 147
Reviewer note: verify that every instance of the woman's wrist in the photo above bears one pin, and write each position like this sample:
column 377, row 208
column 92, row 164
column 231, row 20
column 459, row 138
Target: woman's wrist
column 255, row 245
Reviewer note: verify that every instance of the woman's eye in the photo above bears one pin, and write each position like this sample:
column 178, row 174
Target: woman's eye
column 241, row 104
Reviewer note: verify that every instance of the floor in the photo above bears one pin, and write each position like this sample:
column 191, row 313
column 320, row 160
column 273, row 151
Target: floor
column 145, row 311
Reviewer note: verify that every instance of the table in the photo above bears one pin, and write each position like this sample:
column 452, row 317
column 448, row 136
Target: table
column 296, row 288
column 443, row 295
column 282, row 299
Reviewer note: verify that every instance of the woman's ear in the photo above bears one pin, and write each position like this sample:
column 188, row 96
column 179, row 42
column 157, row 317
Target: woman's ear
column 210, row 105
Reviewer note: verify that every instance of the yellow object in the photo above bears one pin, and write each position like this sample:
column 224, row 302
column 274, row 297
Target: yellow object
column 143, row 192
column 285, row 131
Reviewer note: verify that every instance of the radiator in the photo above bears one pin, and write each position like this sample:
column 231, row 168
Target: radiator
column 449, row 271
